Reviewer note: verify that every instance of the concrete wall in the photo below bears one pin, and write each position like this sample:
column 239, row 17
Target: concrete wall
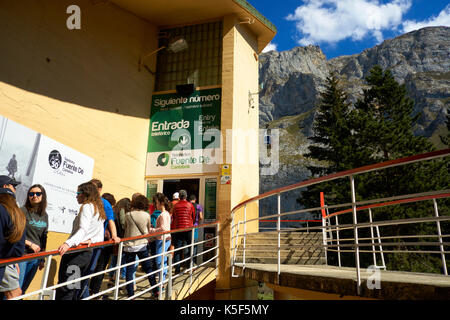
column 80, row 87
column 239, row 76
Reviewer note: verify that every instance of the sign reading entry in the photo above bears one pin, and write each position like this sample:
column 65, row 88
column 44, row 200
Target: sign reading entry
column 184, row 133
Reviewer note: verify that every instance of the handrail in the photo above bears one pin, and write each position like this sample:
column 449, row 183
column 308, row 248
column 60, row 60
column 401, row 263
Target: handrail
column 32, row 256
column 356, row 207
column 347, row 173
column 377, row 205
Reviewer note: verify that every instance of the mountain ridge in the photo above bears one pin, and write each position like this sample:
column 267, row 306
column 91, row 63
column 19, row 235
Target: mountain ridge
column 293, row 80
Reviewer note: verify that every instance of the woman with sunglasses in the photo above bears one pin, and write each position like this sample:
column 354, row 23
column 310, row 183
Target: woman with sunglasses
column 87, row 228
column 36, row 233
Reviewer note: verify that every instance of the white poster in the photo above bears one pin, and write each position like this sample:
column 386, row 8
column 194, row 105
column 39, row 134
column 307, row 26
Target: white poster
column 32, row 158
column 61, row 170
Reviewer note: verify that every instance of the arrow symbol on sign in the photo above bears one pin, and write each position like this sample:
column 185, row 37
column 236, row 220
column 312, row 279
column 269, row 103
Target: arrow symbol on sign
column 184, row 139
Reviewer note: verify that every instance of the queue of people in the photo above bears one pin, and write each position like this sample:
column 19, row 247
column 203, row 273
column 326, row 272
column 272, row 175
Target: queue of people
column 100, row 218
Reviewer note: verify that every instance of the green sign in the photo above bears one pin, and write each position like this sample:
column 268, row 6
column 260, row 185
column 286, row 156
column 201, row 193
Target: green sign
column 210, row 199
column 180, row 122
column 152, row 188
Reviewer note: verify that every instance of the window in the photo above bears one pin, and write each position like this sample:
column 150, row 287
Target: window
column 200, row 64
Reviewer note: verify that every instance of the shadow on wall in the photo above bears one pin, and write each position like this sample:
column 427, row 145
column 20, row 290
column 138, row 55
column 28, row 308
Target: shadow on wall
column 95, row 66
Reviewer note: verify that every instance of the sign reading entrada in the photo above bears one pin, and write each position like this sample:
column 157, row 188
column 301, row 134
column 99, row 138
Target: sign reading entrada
column 182, row 128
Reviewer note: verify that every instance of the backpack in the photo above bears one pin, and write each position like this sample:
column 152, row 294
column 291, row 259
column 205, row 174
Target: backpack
column 197, row 214
column 117, row 220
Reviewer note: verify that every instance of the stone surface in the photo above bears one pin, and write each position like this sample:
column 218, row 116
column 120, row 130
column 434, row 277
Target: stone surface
column 292, row 81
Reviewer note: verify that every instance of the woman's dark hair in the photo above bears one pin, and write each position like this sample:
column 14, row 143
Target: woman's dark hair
column 42, row 205
column 140, row 203
column 124, row 203
column 91, row 195
column 110, row 198
column 164, row 200
column 17, row 217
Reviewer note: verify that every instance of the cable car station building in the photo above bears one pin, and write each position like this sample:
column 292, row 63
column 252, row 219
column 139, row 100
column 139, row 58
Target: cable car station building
column 162, row 95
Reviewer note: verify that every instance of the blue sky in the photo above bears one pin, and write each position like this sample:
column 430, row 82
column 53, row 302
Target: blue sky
column 344, row 27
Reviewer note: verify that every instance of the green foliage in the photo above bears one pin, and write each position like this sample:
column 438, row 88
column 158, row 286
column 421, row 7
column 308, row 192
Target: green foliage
column 378, row 128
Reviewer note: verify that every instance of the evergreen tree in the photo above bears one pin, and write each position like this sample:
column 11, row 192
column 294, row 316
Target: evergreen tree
column 332, row 143
column 379, row 128
column 446, row 139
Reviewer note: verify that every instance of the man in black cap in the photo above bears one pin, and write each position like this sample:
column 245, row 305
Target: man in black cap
column 8, row 183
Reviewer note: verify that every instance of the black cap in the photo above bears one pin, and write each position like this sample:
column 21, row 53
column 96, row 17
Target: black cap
column 7, row 180
column 7, row 191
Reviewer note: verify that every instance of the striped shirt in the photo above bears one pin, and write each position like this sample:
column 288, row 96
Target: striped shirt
column 183, row 215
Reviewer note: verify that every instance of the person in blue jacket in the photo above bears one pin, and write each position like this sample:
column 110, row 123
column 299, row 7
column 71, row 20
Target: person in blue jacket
column 12, row 237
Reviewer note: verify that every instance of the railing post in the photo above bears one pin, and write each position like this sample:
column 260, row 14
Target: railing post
column 355, row 221
column 169, row 278
column 245, row 236
column 161, row 273
column 337, row 241
column 441, row 246
column 324, row 226
column 48, row 262
column 218, row 246
column 372, row 239
column 119, row 263
column 191, row 260
column 279, row 234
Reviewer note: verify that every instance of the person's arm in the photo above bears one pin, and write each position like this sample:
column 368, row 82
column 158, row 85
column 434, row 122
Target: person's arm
column 112, row 228
column 78, row 236
column 200, row 214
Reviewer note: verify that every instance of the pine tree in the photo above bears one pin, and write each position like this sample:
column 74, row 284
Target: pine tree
column 379, row 128
column 332, row 143
column 383, row 125
column 446, row 139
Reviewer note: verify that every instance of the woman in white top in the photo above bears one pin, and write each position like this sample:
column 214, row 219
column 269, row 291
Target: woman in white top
column 137, row 223
column 87, row 228
column 162, row 225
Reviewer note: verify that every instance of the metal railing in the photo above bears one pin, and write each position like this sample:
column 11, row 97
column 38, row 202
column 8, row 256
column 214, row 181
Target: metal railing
column 333, row 241
column 164, row 283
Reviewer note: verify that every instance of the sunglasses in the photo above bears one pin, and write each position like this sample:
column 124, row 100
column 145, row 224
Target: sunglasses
column 79, row 192
column 32, row 194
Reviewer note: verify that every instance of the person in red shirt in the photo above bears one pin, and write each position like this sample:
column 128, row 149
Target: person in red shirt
column 183, row 215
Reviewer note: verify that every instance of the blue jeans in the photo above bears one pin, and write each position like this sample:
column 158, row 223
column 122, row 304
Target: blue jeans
column 146, row 267
column 156, row 248
column 27, row 272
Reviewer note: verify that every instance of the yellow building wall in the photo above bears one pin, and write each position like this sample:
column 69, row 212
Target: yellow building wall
column 80, row 87
column 239, row 77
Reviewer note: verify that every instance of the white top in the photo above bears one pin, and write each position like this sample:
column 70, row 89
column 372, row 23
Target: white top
column 162, row 225
column 86, row 225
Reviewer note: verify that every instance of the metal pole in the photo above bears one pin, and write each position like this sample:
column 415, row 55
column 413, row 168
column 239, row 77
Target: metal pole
column 48, row 262
column 441, row 246
column 192, row 260
column 372, row 239
column 245, row 236
column 169, row 278
column 217, row 245
column 161, row 273
column 381, row 247
column 324, row 238
column 119, row 263
column 338, row 243
column 279, row 243
column 355, row 221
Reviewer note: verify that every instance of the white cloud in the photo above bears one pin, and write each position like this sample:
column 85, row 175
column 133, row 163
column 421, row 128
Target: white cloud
column 270, row 47
column 330, row 21
column 443, row 19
